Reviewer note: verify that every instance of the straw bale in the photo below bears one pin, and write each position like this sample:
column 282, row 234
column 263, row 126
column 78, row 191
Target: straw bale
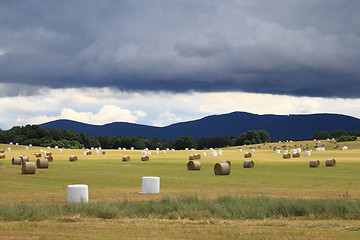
column 49, row 158
column 197, row 156
column 145, row 158
column 330, row 162
column 38, row 155
column 42, row 163
column 73, row 158
column 193, row 165
column 2, row 156
column 222, row 169
column 296, row 155
column 103, row 152
column 24, row 158
column 249, row 164
column 16, row 161
column 126, row 159
column 49, row 154
column 2, row 151
column 247, row 155
column 192, row 157
column 286, row 155
column 314, row 163
column 88, row 153
column 28, row 168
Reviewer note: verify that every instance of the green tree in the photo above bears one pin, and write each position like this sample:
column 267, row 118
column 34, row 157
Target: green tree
column 185, row 142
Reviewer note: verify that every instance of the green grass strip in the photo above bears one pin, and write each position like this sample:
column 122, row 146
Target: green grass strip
column 193, row 208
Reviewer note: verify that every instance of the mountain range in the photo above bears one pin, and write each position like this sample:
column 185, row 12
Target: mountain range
column 231, row 124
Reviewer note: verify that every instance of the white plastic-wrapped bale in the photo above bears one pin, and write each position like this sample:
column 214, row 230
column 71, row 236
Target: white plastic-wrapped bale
column 240, row 150
column 286, row 151
column 156, row 152
column 298, row 150
column 252, row 150
column 277, row 151
column 77, row 193
column 214, row 153
column 132, row 148
column 173, row 150
column 204, row 154
column 150, row 185
column 163, row 151
column 307, row 153
column 186, row 149
column 344, row 148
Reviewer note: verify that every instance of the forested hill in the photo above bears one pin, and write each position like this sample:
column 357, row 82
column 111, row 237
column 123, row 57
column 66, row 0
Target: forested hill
column 231, row 124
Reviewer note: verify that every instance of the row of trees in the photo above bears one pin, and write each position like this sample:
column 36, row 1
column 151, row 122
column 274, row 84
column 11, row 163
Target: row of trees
column 339, row 135
column 33, row 134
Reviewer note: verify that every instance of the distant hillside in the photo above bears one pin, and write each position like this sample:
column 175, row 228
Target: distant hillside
column 231, row 124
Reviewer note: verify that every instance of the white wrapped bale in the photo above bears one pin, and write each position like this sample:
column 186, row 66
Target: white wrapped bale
column 307, row 153
column 77, row 193
column 150, row 185
column 204, row 154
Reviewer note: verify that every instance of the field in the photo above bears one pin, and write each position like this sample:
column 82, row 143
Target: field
column 111, row 180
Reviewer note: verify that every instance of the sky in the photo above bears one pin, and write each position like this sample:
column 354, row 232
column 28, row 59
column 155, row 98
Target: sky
column 164, row 61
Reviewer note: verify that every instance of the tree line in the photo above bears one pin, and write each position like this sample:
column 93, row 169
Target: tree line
column 36, row 136
column 339, row 135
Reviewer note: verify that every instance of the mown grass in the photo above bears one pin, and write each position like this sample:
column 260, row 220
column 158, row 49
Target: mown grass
column 193, row 208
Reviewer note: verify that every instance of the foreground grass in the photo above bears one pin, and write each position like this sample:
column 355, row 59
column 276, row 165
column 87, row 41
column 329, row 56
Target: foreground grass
column 80, row 228
column 192, row 208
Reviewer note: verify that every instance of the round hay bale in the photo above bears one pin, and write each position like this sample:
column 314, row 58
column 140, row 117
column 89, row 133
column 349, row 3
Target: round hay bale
column 38, row 155
column 249, row 164
column 2, row 151
column 28, row 168
column 73, row 158
column 49, row 158
column 222, row 169
column 126, row 159
column 49, row 154
column 42, row 163
column 192, row 157
column 314, row 163
column 296, row 155
column 16, row 161
column 145, row 158
column 247, row 155
column 330, row 162
column 194, row 165
column 228, row 162
column 197, row 156
column 286, row 155
column 88, row 153
column 24, row 158
column 103, row 152
column 2, row 156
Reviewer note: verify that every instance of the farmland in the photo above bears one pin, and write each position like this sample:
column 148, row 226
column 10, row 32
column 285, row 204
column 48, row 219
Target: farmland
column 111, row 180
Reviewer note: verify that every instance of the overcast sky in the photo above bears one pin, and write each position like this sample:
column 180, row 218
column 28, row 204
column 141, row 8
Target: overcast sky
column 163, row 61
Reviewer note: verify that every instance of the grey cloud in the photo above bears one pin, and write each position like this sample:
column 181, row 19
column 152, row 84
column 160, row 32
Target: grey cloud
column 301, row 48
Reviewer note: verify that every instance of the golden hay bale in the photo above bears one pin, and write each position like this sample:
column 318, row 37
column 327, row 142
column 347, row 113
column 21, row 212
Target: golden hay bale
column 228, row 162
column 145, row 158
column 247, row 155
column 49, row 154
column 194, row 165
column 126, row 159
column 28, row 168
column 42, row 163
column 197, row 156
column 103, row 152
column 16, row 161
column 88, row 153
column 249, row 164
column 73, row 158
column 222, row 169
column 38, row 155
column 286, row 155
column 192, row 157
column 24, row 158
column 296, row 155
column 2, row 151
column 330, row 162
column 314, row 163
column 49, row 158
column 2, row 156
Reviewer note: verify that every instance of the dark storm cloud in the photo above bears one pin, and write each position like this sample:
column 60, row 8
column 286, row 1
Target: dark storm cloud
column 301, row 48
